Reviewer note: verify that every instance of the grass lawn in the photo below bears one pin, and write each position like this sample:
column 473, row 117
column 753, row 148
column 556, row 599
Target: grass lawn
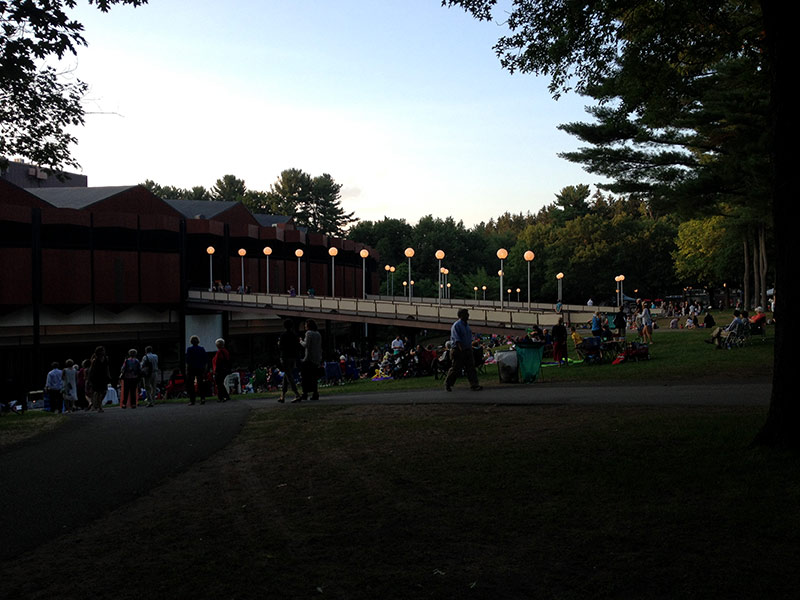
column 15, row 428
column 452, row 502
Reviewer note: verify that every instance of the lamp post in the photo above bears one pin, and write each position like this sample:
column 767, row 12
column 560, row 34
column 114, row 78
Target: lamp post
column 392, row 269
column 518, row 290
column 475, row 289
column 509, row 296
column 409, row 254
column 299, row 254
column 364, row 254
column 621, row 289
column 502, row 254
column 484, row 291
column 448, row 291
column 529, row 256
column 210, row 251
column 439, row 256
column 333, row 251
column 560, row 278
column 267, row 252
column 242, row 252
column 445, row 277
column 405, row 288
column 386, row 268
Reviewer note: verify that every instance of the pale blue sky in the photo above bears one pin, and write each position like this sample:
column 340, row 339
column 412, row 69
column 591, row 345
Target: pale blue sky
column 401, row 101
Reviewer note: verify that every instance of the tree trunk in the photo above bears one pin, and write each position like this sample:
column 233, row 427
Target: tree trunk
column 782, row 427
column 762, row 251
column 746, row 282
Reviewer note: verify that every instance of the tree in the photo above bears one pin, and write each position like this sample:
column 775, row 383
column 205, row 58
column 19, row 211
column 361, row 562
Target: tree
column 582, row 43
column 229, row 189
column 37, row 104
column 325, row 212
column 314, row 202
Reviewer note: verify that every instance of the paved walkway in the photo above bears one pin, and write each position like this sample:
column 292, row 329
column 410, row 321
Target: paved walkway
column 95, row 462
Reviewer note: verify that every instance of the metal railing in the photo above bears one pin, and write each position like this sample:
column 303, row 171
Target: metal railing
column 422, row 310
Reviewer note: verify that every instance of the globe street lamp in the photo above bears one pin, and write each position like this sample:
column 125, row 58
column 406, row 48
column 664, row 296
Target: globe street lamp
column 210, row 251
column 529, row 256
column 518, row 290
column 333, row 251
column 448, row 291
column 560, row 278
column 364, row 254
column 242, row 252
column 502, row 254
column 509, row 296
column 439, row 256
column 483, row 287
column 621, row 290
column 405, row 288
column 392, row 269
column 299, row 254
column 475, row 289
column 410, row 253
column 387, row 268
column 267, row 252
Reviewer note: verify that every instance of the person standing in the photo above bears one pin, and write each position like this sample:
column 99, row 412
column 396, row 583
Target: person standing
column 461, row 356
column 221, row 363
column 620, row 323
column 69, row 385
column 597, row 324
column 312, row 361
column 129, row 376
column 647, row 324
column 98, row 377
column 289, row 348
column 150, row 374
column 560, row 342
column 196, row 370
column 53, row 386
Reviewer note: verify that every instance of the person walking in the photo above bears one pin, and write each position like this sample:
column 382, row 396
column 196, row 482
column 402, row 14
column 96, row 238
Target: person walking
column 312, row 361
column 461, row 356
column 53, row 386
column 221, row 363
column 98, row 378
column 196, row 370
column 289, row 347
column 129, row 376
column 150, row 374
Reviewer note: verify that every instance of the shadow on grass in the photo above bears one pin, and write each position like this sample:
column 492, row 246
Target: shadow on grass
column 455, row 502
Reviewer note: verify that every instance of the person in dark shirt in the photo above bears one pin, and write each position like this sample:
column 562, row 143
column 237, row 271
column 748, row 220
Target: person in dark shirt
column 196, row 370
column 289, row 347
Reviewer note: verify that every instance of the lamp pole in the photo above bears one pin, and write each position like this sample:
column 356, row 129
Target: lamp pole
column 267, row 252
column 364, row 254
column 392, row 269
column 475, row 289
column 210, row 251
column 409, row 254
column 484, row 292
column 333, row 251
column 439, row 256
column 529, row 256
column 560, row 278
column 299, row 254
column 242, row 252
column 502, row 254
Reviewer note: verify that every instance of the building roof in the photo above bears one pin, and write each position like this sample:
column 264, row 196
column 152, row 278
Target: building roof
column 272, row 220
column 200, row 209
column 77, row 197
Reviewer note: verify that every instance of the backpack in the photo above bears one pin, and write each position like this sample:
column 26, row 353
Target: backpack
column 131, row 369
column 147, row 366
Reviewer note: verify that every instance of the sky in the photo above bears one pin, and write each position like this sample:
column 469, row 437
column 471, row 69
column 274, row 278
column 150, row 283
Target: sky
column 403, row 102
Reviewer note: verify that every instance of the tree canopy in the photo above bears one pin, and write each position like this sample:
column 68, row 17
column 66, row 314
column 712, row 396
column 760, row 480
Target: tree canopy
column 37, row 103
